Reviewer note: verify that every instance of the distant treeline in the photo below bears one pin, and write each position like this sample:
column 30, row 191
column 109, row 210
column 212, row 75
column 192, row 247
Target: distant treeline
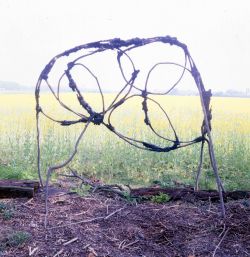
column 8, row 87
column 228, row 93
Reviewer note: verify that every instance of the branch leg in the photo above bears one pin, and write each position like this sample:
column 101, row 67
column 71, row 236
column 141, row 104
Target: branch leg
column 50, row 169
column 59, row 166
column 199, row 167
column 211, row 149
column 212, row 163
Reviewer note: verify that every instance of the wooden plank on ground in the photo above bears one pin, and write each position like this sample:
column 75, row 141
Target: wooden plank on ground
column 18, row 188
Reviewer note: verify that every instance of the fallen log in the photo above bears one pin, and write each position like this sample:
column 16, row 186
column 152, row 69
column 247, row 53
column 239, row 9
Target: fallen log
column 18, row 188
column 188, row 193
column 16, row 192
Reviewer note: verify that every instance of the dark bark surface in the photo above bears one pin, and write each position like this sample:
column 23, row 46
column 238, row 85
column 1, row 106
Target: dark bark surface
column 18, row 188
column 188, row 193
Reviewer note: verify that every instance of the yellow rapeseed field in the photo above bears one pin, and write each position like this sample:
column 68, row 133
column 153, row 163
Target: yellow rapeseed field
column 102, row 154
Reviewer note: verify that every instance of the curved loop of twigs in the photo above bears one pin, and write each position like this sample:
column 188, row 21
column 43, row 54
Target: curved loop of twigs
column 128, row 91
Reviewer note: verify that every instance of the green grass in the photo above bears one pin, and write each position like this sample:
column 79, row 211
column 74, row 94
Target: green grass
column 9, row 172
column 114, row 161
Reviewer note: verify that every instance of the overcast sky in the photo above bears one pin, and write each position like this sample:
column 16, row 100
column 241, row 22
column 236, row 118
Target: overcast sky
column 217, row 33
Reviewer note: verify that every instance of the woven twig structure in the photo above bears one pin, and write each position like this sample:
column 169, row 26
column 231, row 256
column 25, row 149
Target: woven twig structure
column 129, row 90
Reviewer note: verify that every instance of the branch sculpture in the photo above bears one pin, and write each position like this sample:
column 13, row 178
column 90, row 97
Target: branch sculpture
column 129, row 90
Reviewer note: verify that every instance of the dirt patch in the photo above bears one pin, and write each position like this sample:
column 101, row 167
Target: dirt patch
column 96, row 225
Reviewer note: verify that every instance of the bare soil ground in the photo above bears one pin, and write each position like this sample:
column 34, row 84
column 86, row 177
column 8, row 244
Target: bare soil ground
column 97, row 225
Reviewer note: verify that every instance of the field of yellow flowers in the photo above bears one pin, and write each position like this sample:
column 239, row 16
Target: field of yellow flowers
column 104, row 156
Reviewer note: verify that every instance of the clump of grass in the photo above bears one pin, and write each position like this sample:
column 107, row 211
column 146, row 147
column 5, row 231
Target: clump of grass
column 18, row 238
column 8, row 214
column 13, row 239
column 161, row 198
column 3, row 206
column 6, row 211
